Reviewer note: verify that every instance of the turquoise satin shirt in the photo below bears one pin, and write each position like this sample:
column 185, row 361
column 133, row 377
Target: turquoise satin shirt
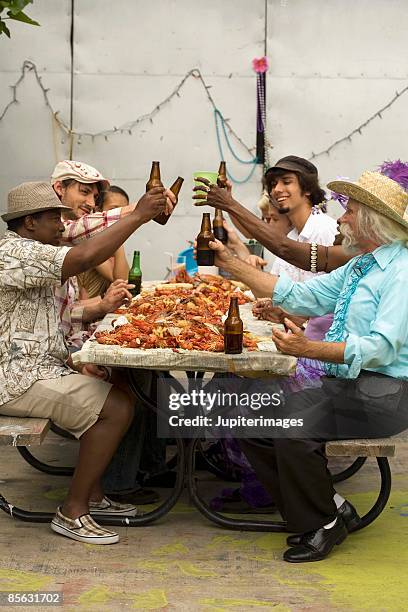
column 376, row 330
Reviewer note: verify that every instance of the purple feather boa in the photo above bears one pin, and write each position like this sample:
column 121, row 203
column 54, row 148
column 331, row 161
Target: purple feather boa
column 397, row 171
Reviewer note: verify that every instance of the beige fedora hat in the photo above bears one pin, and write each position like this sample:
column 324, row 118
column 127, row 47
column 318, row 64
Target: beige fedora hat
column 379, row 192
column 31, row 198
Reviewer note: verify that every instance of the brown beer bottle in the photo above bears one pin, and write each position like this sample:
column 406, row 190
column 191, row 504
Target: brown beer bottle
column 222, row 175
column 205, row 255
column 218, row 227
column 233, row 329
column 175, row 188
column 154, row 180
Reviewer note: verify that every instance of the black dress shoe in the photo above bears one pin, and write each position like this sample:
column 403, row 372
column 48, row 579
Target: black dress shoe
column 316, row 545
column 349, row 515
column 347, row 512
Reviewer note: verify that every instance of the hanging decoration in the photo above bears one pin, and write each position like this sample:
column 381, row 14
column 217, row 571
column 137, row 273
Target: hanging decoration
column 260, row 66
column 358, row 130
column 219, row 120
column 127, row 128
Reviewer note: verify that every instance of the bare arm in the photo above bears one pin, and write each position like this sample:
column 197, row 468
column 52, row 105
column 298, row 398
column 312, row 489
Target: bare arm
column 296, row 253
column 105, row 269
column 120, row 264
column 261, row 283
column 97, row 308
column 99, row 248
column 295, row 343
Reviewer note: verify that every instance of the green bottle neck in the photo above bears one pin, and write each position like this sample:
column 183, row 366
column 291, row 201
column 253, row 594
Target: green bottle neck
column 136, row 262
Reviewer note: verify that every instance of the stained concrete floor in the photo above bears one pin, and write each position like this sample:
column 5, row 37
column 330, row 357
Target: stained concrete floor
column 186, row 563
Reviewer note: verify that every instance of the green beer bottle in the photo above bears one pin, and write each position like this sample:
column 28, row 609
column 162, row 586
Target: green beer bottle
column 135, row 275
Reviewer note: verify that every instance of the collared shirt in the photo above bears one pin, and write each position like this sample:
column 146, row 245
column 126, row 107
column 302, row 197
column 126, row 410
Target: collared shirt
column 32, row 345
column 319, row 228
column 376, row 327
column 87, row 226
column 71, row 310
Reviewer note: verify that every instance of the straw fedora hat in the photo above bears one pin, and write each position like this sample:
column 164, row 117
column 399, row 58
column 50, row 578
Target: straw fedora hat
column 31, row 198
column 379, row 192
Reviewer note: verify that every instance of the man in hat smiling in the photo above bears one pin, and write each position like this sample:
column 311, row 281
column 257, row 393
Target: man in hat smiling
column 35, row 376
column 365, row 390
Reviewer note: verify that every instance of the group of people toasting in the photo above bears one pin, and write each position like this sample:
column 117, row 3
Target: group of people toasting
column 344, row 308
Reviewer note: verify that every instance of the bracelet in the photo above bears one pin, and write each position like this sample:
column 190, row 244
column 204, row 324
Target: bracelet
column 313, row 257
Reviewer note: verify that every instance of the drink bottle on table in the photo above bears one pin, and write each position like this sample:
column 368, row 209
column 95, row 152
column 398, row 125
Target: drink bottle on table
column 135, row 275
column 233, row 329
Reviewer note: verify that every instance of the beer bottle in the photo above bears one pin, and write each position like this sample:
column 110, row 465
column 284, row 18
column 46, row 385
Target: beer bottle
column 154, row 180
column 175, row 188
column 218, row 227
column 222, row 175
column 205, row 255
column 135, row 274
column 233, row 329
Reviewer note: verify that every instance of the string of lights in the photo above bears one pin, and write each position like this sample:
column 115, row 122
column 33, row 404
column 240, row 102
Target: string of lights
column 358, row 130
column 127, row 128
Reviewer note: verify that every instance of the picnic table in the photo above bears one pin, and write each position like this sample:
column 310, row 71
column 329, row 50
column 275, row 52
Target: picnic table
column 264, row 362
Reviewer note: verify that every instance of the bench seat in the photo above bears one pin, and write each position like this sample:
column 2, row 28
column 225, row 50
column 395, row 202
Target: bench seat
column 19, row 431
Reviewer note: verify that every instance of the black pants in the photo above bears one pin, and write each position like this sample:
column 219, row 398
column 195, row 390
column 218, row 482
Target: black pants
column 295, row 471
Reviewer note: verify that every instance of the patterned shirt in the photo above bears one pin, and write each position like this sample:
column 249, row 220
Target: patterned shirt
column 87, row 226
column 70, row 309
column 32, row 345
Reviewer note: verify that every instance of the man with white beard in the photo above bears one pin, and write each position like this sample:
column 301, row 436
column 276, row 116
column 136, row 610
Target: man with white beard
column 365, row 391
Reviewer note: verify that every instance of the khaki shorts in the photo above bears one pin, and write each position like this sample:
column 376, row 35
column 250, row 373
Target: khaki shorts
column 72, row 402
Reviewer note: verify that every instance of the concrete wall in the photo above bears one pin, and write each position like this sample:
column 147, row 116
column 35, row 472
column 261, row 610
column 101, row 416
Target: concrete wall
column 330, row 69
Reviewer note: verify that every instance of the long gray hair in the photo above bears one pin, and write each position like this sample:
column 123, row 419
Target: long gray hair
column 373, row 226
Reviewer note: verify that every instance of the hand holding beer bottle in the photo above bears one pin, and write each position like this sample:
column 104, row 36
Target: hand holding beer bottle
column 155, row 181
column 205, row 255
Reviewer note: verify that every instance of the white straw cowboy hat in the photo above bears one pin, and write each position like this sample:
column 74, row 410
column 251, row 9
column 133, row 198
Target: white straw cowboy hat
column 31, row 198
column 78, row 171
column 379, row 192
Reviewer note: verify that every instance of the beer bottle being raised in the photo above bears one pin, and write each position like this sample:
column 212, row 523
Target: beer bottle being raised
column 222, row 175
column 218, row 227
column 205, row 255
column 155, row 181
column 233, row 329
column 175, row 188
column 135, row 274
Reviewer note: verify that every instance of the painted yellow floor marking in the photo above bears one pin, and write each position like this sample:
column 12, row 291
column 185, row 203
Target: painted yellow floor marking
column 228, row 542
column 155, row 599
column 171, row 549
column 16, row 580
column 97, row 595
column 56, row 494
column 189, row 569
column 155, row 566
column 225, row 604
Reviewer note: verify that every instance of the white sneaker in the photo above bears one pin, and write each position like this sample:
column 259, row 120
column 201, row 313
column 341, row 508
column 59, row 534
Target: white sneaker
column 82, row 529
column 108, row 506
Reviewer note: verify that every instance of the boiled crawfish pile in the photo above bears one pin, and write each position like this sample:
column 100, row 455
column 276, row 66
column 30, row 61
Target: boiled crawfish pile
column 178, row 317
